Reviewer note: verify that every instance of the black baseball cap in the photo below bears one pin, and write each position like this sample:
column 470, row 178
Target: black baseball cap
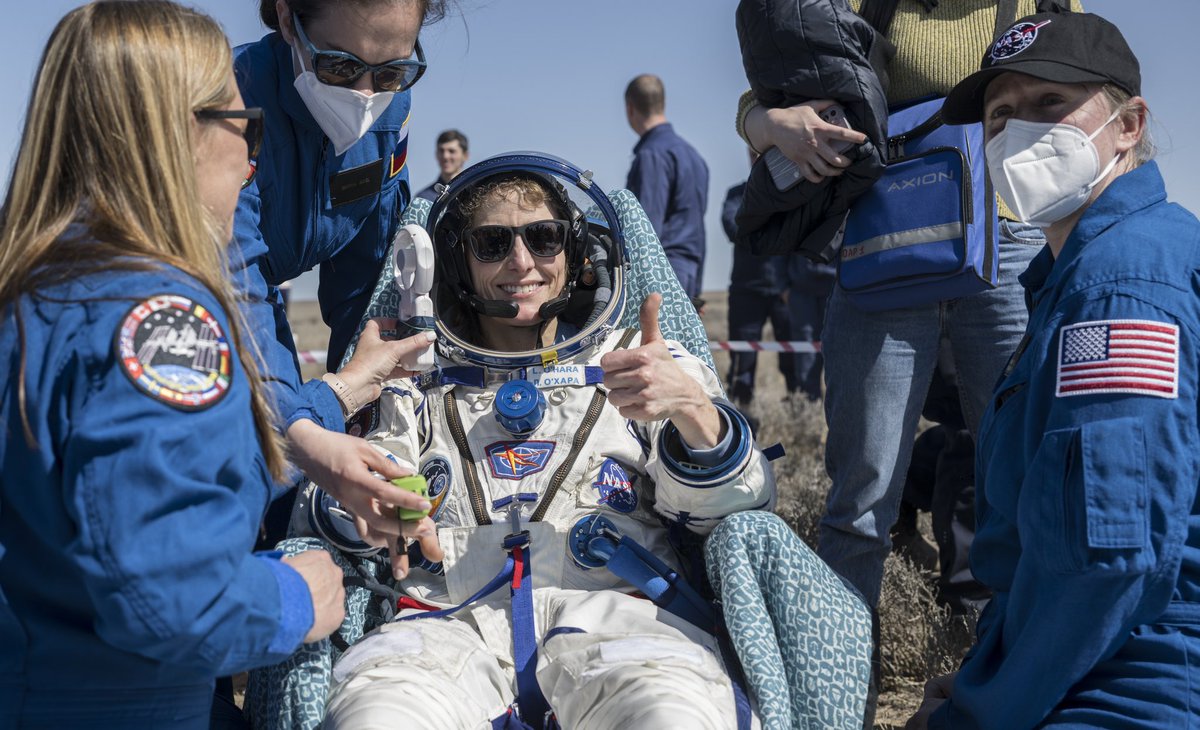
column 1069, row 48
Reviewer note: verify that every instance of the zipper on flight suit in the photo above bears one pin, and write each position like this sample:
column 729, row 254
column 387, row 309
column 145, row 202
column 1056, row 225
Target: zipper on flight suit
column 319, row 197
column 459, row 434
column 581, row 437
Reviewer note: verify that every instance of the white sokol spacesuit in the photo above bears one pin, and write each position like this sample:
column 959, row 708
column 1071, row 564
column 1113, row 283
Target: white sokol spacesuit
column 510, row 446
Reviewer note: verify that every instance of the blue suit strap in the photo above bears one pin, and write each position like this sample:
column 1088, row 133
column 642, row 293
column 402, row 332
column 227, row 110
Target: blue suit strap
column 531, row 703
column 455, row 375
column 737, row 677
column 668, row 590
column 665, row 587
column 504, row 576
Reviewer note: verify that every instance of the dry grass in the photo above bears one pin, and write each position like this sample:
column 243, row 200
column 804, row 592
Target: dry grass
column 919, row 639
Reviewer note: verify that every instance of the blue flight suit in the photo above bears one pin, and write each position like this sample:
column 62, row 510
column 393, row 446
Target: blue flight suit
column 670, row 180
column 429, row 192
column 1089, row 528
column 309, row 207
column 127, row 582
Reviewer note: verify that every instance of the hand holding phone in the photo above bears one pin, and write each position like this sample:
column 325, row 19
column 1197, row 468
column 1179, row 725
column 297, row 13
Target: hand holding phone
column 836, row 114
column 784, row 171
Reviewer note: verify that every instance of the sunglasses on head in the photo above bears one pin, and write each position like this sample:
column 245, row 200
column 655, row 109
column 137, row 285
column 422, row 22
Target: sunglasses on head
column 491, row 243
column 253, row 133
column 339, row 68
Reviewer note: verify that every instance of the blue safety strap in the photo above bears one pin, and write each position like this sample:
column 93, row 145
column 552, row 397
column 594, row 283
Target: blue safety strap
column 640, row 568
column 737, row 678
column 504, row 576
column 531, row 703
column 668, row 590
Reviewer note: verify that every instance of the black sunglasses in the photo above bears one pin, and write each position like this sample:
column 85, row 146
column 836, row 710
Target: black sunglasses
column 491, row 243
column 253, row 133
column 339, row 68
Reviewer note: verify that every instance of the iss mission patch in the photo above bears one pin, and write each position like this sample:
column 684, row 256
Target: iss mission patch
column 175, row 351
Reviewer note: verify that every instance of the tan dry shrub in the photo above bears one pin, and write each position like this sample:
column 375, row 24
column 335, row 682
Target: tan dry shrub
column 919, row 638
column 800, row 475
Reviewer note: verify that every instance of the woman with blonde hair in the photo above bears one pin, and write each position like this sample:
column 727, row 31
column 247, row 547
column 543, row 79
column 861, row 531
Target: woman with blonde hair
column 140, row 450
column 1089, row 526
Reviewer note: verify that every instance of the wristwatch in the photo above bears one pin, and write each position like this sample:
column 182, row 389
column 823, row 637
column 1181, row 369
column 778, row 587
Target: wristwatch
column 345, row 396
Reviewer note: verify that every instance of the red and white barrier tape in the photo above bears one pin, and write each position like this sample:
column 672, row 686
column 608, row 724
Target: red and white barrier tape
column 755, row 346
column 309, row 357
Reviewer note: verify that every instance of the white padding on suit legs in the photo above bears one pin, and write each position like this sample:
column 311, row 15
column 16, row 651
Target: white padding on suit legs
column 429, row 673
column 619, row 665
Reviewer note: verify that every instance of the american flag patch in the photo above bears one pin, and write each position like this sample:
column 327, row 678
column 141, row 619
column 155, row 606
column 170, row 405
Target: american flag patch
column 1119, row 356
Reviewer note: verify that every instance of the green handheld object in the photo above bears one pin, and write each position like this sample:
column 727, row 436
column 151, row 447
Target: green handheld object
column 417, row 485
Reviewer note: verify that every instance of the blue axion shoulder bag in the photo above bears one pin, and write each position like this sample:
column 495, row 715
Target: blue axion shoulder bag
column 927, row 230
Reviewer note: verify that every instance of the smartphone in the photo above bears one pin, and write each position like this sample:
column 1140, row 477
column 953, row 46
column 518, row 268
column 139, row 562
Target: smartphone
column 784, row 171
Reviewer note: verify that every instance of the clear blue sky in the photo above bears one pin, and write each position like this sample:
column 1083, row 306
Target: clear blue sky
column 549, row 75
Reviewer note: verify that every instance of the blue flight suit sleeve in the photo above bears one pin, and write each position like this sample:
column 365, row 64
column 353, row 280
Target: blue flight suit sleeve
column 729, row 209
column 1102, row 517
column 649, row 180
column 267, row 322
column 167, row 505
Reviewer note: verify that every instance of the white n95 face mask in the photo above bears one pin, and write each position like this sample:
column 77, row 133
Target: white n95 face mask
column 343, row 114
column 1045, row 172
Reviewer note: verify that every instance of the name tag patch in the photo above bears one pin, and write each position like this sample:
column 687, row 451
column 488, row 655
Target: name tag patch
column 356, row 183
column 175, row 351
column 555, row 376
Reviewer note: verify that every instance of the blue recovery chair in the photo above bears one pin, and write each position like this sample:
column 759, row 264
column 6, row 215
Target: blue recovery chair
column 801, row 634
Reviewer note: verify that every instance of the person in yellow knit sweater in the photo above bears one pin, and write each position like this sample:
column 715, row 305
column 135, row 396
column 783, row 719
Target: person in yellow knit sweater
column 879, row 364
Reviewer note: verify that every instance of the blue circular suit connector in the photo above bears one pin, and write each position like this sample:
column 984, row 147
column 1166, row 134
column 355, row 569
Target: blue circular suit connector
column 520, row 407
column 589, row 547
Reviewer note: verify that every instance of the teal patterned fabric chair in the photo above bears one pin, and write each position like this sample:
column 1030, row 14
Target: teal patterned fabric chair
column 803, row 637
column 801, row 632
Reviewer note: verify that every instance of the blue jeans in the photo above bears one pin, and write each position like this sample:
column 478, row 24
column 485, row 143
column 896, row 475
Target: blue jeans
column 878, row 367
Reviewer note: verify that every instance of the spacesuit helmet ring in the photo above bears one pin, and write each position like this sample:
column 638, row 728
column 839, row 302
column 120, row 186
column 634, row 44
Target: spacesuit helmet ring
column 591, row 298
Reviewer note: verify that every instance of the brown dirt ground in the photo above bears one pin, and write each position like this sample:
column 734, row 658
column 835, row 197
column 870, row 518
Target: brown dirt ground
column 918, row 639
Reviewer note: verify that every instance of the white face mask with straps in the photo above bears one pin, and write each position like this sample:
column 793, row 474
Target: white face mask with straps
column 343, row 114
column 1045, row 172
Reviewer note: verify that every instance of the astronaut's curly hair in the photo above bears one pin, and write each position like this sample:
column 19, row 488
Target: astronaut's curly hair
column 530, row 193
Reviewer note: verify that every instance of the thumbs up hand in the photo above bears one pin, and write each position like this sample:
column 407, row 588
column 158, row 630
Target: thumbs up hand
column 648, row 319
column 646, row 384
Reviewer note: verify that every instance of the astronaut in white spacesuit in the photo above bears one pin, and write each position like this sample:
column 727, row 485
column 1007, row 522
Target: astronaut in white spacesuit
column 546, row 435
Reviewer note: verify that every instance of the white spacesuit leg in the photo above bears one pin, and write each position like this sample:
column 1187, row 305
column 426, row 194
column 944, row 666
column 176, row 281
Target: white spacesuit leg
column 428, row 673
column 610, row 661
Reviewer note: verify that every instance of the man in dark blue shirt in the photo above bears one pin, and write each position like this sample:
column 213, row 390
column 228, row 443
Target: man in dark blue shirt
column 670, row 179
column 452, row 155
